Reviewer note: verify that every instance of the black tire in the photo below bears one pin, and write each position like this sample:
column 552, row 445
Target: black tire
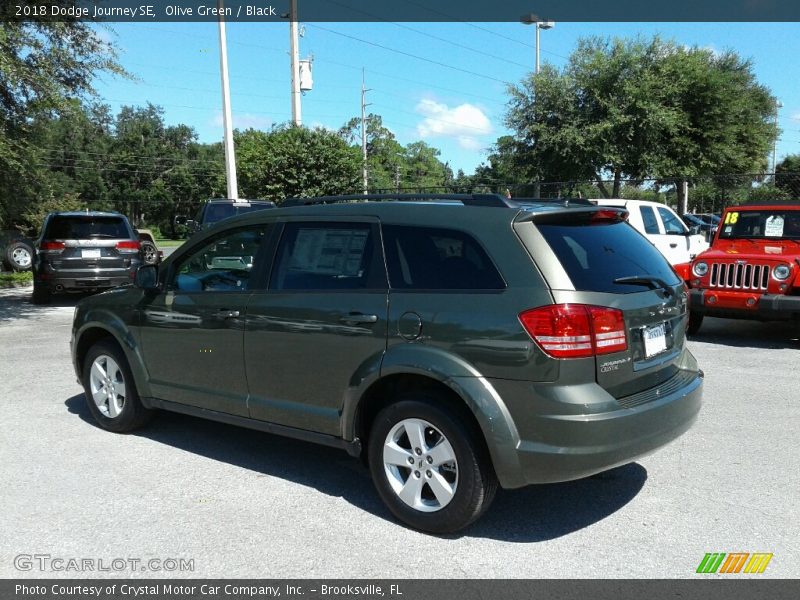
column 41, row 295
column 149, row 253
column 19, row 256
column 695, row 321
column 130, row 412
column 475, row 481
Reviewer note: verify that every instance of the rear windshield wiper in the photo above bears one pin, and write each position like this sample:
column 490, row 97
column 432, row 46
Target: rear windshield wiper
column 654, row 283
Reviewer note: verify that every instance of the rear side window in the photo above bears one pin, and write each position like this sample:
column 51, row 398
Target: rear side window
column 649, row 219
column 74, row 227
column 595, row 255
column 327, row 256
column 437, row 259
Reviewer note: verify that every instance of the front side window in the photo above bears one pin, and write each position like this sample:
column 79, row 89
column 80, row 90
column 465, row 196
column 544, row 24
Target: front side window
column 223, row 264
column 437, row 259
column 326, row 256
column 672, row 224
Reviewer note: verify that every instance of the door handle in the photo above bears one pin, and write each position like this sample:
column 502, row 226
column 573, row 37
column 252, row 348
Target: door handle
column 673, row 245
column 224, row 313
column 358, row 319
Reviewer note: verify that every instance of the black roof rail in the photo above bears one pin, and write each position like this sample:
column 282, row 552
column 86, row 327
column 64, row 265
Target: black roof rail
column 564, row 201
column 491, row 200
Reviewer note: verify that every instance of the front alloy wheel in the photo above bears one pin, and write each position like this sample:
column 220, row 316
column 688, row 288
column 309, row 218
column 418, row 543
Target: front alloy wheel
column 107, row 384
column 420, row 465
column 111, row 390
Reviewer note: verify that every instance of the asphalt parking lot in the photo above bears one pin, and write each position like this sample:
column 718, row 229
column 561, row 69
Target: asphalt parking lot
column 245, row 504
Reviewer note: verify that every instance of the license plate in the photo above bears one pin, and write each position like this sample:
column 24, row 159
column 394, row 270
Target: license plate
column 655, row 339
column 90, row 253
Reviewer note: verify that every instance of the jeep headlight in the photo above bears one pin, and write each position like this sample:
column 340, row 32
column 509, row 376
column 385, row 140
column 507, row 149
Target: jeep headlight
column 700, row 268
column 781, row 272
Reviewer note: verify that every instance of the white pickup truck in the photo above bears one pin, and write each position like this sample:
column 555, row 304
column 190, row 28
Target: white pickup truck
column 662, row 226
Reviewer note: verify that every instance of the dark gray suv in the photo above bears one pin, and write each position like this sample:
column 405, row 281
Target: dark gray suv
column 84, row 251
column 453, row 342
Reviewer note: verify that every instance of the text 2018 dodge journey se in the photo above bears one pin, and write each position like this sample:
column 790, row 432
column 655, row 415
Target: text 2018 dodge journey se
column 455, row 342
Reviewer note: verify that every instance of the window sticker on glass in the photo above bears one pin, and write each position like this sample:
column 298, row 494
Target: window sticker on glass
column 329, row 251
column 773, row 227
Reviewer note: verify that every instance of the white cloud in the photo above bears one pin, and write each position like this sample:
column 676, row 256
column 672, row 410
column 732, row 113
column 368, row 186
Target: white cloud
column 796, row 117
column 244, row 121
column 464, row 122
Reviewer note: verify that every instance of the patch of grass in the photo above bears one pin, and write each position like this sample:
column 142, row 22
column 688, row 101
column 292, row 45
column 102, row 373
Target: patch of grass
column 169, row 243
column 9, row 280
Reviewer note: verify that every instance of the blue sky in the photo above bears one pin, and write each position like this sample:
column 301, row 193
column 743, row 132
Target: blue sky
column 454, row 99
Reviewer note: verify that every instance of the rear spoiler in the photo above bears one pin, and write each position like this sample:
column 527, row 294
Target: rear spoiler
column 583, row 214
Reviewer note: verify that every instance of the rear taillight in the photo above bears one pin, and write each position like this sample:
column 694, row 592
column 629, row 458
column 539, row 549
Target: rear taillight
column 129, row 247
column 608, row 330
column 576, row 330
column 52, row 247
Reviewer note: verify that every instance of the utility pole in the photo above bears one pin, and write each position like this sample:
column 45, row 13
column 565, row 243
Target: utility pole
column 294, row 50
column 227, row 120
column 778, row 107
column 364, row 105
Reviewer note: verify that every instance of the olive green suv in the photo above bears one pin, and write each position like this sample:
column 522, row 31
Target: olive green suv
column 454, row 342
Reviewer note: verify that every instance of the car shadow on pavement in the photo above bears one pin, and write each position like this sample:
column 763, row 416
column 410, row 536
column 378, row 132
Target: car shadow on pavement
column 532, row 514
column 16, row 303
column 770, row 335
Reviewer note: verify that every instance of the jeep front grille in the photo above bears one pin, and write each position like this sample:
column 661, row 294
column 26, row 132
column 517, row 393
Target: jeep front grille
column 739, row 277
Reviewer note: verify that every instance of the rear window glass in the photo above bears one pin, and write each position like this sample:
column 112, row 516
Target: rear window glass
column 217, row 212
column 86, row 227
column 595, row 255
column 437, row 259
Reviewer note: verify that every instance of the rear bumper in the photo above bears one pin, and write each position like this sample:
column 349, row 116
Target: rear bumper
column 92, row 279
column 744, row 305
column 564, row 447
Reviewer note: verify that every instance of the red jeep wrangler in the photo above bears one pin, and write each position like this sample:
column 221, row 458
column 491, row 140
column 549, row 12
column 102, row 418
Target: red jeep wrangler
column 752, row 269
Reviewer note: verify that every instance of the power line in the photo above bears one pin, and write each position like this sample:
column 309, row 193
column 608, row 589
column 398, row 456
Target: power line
column 408, row 54
column 505, row 59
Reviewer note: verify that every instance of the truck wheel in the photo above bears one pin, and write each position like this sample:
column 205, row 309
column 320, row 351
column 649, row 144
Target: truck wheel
column 149, row 253
column 695, row 321
column 110, row 390
column 19, row 256
column 429, row 465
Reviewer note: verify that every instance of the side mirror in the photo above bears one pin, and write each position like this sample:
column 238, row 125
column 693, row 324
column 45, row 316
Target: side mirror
column 181, row 220
column 146, row 277
column 694, row 229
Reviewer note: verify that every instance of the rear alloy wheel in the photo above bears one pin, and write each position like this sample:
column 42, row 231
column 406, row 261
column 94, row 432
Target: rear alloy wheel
column 19, row 256
column 695, row 321
column 149, row 253
column 110, row 390
column 429, row 465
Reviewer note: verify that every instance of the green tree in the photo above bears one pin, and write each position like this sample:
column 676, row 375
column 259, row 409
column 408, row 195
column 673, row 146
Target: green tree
column 641, row 108
column 44, row 65
column 295, row 161
column 787, row 175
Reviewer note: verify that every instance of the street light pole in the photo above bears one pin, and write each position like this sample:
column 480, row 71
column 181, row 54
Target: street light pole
column 230, row 156
column 532, row 19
